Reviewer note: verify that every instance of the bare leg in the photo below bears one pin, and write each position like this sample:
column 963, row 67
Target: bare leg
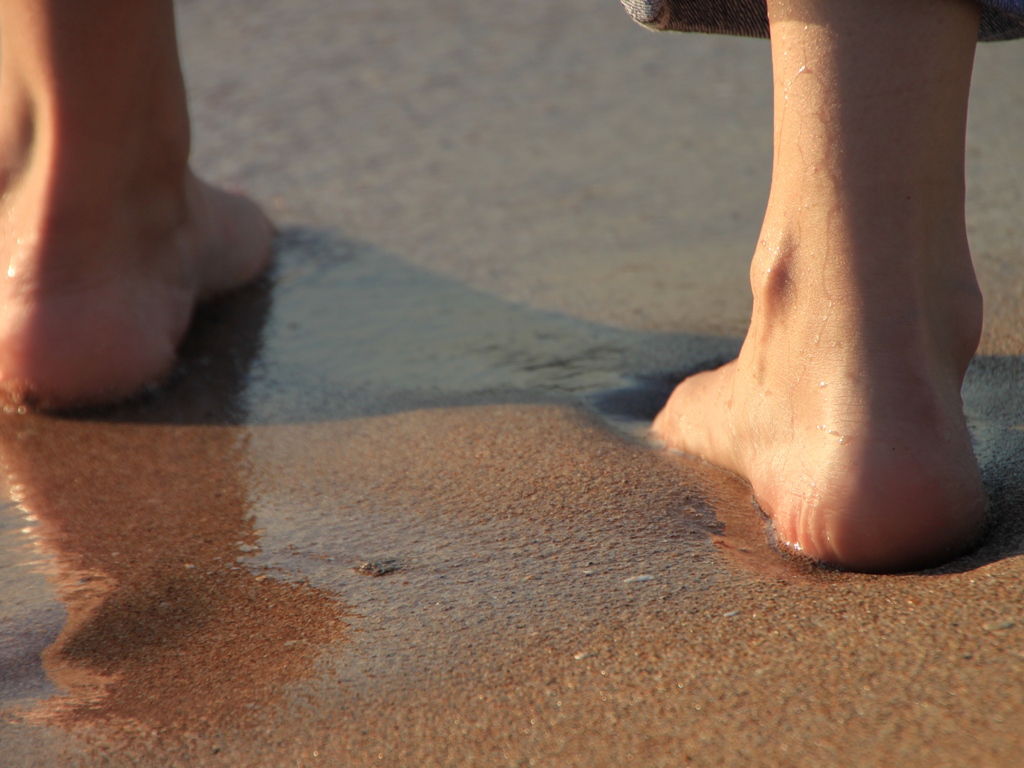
column 843, row 409
column 107, row 240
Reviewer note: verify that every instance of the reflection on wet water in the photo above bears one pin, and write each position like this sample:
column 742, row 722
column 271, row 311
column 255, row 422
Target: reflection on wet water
column 30, row 616
column 144, row 525
column 140, row 516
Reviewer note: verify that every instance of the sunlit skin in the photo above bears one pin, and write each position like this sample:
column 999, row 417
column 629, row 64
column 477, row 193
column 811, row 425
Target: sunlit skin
column 107, row 239
column 843, row 409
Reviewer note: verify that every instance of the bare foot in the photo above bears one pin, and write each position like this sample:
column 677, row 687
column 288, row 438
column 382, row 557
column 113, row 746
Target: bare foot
column 848, row 426
column 107, row 239
column 81, row 328
column 843, row 409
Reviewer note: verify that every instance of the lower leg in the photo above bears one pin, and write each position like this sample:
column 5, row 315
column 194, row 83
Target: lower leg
column 107, row 240
column 843, row 409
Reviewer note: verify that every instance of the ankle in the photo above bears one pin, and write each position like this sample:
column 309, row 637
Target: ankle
column 66, row 192
column 93, row 104
column 845, row 269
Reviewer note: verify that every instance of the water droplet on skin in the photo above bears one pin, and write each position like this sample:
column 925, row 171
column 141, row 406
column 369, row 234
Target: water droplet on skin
column 842, row 438
column 821, row 384
column 11, row 271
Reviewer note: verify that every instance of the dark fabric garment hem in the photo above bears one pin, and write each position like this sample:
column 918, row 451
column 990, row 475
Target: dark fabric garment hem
column 1000, row 19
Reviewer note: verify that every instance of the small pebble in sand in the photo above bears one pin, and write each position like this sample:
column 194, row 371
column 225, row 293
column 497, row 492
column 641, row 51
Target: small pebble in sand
column 638, row 579
column 996, row 626
column 581, row 656
column 379, row 567
column 730, row 614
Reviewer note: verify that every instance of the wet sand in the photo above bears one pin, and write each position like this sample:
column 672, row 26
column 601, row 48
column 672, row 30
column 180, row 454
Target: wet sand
column 395, row 508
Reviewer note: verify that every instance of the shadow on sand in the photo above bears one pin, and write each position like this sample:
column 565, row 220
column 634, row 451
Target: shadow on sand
column 340, row 330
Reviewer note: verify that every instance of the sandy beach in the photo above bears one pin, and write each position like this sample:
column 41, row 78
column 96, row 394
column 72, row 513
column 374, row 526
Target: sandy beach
column 396, row 507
